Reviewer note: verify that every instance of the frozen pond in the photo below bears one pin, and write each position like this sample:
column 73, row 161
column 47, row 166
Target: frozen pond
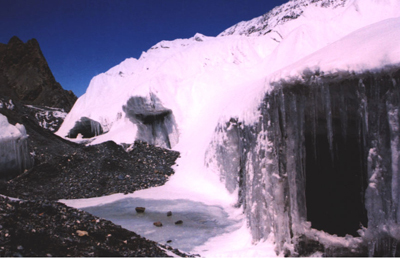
column 200, row 221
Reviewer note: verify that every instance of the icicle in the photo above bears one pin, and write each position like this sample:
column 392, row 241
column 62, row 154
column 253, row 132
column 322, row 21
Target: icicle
column 95, row 127
column 301, row 166
column 314, row 122
column 393, row 117
column 363, row 111
column 328, row 112
column 343, row 113
column 282, row 115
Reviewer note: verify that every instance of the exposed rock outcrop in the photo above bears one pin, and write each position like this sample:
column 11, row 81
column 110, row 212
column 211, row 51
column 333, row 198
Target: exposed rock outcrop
column 25, row 76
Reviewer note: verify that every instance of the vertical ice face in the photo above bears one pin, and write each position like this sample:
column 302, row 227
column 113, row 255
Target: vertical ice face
column 156, row 124
column 324, row 153
column 14, row 154
column 224, row 154
column 86, row 127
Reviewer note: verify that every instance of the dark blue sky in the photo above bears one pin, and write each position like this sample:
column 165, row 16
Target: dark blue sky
column 82, row 38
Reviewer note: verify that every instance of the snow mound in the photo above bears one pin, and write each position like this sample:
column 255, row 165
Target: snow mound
column 9, row 131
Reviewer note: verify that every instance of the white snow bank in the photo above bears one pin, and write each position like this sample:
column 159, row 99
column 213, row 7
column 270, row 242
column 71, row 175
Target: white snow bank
column 186, row 75
column 238, row 243
column 372, row 47
column 9, row 131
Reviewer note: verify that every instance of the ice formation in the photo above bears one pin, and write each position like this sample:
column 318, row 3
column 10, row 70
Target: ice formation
column 292, row 117
column 156, row 124
column 14, row 154
column 325, row 151
column 85, row 127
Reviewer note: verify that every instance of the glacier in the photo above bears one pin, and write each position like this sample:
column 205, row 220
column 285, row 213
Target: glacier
column 289, row 122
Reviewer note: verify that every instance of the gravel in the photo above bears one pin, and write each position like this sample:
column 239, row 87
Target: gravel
column 48, row 228
column 36, row 224
column 92, row 171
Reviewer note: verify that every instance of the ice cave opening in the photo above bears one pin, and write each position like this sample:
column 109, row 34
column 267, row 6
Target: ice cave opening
column 335, row 187
column 335, row 160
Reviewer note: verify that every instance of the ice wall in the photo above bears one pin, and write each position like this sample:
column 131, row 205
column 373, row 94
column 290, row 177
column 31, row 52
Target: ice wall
column 86, row 127
column 156, row 124
column 324, row 155
column 14, row 153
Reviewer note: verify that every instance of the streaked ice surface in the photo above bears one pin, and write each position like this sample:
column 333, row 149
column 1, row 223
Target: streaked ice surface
column 200, row 221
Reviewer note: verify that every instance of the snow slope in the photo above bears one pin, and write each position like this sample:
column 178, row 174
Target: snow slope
column 205, row 79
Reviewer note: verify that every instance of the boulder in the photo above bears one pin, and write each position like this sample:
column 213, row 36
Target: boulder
column 157, row 224
column 140, row 209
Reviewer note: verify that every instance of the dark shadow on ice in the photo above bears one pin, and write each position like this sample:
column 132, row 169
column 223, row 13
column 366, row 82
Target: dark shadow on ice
column 87, row 127
column 156, row 124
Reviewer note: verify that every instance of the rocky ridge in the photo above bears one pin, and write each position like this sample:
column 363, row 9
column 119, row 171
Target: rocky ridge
column 25, row 76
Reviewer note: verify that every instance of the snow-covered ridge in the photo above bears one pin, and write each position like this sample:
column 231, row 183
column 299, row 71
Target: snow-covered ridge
column 266, row 23
column 372, row 47
column 202, row 77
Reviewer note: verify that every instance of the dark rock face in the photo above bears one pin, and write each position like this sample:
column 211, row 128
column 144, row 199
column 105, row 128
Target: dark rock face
column 156, row 124
column 87, row 127
column 25, row 76
column 325, row 152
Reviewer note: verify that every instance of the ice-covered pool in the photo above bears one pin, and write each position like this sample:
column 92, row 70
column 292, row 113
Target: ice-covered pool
column 200, row 221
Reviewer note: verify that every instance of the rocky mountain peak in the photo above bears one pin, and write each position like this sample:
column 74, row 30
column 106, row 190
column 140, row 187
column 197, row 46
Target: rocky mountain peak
column 15, row 41
column 25, row 76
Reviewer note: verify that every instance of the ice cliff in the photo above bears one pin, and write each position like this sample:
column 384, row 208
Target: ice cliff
column 14, row 154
